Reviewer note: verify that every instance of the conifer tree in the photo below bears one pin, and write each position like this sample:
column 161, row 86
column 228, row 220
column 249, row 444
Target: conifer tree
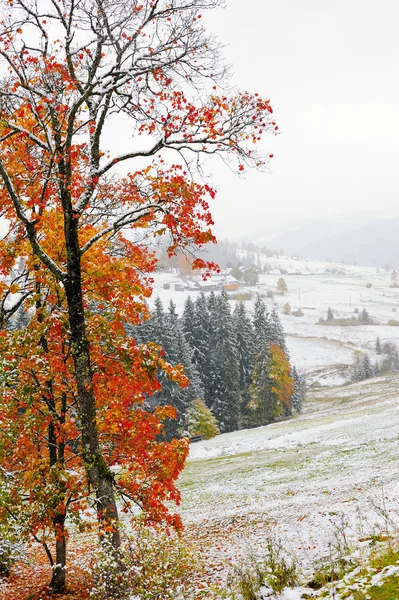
column 178, row 352
column 188, row 321
column 202, row 344
column 245, row 348
column 364, row 317
column 378, row 346
column 277, row 331
column 261, row 325
column 330, row 314
column 226, row 392
column 298, row 396
column 367, row 369
column 262, row 406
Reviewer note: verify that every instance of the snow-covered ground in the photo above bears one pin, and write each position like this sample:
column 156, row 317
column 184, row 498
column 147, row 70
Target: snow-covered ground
column 309, row 480
column 323, row 352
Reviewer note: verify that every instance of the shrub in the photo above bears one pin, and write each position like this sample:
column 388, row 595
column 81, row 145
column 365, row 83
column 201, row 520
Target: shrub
column 153, row 565
column 274, row 571
column 369, row 285
column 349, row 322
column 10, row 550
column 393, row 322
column 297, row 313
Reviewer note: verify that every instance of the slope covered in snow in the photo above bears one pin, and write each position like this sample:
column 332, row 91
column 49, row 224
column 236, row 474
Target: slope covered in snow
column 331, row 471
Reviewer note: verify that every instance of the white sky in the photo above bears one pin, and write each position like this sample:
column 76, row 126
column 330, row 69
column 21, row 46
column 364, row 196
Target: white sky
column 331, row 70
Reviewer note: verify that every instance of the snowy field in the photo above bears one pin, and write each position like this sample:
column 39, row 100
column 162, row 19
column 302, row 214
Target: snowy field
column 305, row 480
column 323, row 353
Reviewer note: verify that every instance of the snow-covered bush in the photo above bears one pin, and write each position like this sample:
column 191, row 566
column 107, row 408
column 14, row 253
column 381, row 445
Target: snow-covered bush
column 10, row 549
column 152, row 565
column 273, row 572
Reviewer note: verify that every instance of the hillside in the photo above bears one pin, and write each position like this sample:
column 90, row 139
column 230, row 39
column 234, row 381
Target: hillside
column 307, row 481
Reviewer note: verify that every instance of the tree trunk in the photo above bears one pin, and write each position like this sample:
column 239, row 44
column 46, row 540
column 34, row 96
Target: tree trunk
column 58, row 580
column 98, row 473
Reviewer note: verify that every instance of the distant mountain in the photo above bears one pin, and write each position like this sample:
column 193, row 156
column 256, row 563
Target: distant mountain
column 375, row 244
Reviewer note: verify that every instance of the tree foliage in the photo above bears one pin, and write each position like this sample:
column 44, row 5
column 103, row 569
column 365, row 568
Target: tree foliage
column 200, row 420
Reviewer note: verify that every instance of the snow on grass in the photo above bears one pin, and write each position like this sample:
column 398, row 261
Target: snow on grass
column 303, row 479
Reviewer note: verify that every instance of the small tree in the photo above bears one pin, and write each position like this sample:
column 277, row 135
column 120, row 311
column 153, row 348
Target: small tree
column 330, row 314
column 298, row 396
column 282, row 286
column 251, row 277
column 200, row 420
column 287, row 309
column 394, row 279
column 378, row 345
column 365, row 318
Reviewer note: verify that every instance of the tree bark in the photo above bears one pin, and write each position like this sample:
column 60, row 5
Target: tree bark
column 58, row 579
column 98, row 473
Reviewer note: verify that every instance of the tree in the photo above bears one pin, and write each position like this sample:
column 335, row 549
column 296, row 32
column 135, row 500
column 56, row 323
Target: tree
column 287, row 309
column 245, row 348
column 282, row 286
column 378, row 345
column 277, row 331
column 200, row 420
column 226, row 390
column 330, row 314
column 67, row 206
column 251, row 276
column 298, row 396
column 365, row 318
column 394, row 279
column 271, row 386
column 261, row 325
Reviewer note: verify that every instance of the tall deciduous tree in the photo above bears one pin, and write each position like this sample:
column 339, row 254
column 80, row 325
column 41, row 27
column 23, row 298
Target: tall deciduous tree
column 86, row 62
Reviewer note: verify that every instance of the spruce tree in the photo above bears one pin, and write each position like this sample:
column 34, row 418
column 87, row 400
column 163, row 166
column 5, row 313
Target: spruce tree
column 245, row 348
column 225, row 403
column 364, row 317
column 330, row 314
column 177, row 351
column 262, row 406
column 202, row 344
column 261, row 325
column 366, row 367
column 298, row 396
column 188, row 321
column 277, row 332
column 378, row 346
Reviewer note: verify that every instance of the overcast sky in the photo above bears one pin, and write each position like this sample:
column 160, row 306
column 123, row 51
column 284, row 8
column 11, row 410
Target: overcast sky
column 331, row 70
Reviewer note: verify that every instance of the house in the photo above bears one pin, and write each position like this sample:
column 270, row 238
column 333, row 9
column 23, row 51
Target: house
column 205, row 286
column 230, row 284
